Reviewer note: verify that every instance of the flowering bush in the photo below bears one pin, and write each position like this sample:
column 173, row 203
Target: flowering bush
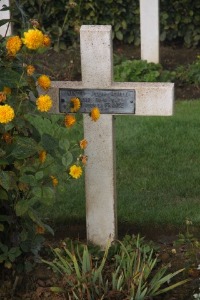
column 35, row 154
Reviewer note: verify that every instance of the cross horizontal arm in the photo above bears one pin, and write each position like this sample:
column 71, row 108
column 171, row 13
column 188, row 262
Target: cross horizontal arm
column 152, row 98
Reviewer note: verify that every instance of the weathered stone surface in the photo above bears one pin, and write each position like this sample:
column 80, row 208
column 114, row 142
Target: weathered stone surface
column 149, row 30
column 5, row 15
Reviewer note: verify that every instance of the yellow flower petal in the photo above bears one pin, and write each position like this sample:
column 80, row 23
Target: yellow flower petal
column 83, row 144
column 95, row 114
column 33, row 39
column 76, row 104
column 54, row 180
column 44, row 103
column 46, row 41
column 13, row 45
column 44, row 82
column 7, row 113
column 75, row 171
column 42, row 156
column 70, row 120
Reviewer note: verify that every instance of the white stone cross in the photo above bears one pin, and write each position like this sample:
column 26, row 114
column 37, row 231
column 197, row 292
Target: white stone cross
column 5, row 14
column 149, row 30
column 152, row 99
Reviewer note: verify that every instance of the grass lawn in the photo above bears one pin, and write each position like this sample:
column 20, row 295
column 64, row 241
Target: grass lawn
column 158, row 171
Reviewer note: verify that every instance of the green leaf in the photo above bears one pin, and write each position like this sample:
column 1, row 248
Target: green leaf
column 28, row 266
column 124, row 24
column 48, row 142
column 2, row 152
column 3, row 195
column 5, row 180
column 9, row 126
column 3, row 257
column 43, row 125
column 11, row 78
column 39, row 175
column 48, row 195
column 23, row 235
column 4, row 21
column 4, row 248
column 55, row 118
column 13, row 253
column 64, row 144
column 24, row 147
column 34, row 217
column 119, row 35
column 49, row 229
column 5, row 8
column 21, row 207
column 56, row 289
column 29, row 179
column 1, row 227
column 67, row 159
column 37, row 192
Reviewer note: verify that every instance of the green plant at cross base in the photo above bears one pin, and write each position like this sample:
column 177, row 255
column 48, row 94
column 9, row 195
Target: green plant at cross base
column 141, row 70
column 128, row 268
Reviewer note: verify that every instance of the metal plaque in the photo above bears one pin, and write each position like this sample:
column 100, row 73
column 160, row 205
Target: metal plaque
column 108, row 101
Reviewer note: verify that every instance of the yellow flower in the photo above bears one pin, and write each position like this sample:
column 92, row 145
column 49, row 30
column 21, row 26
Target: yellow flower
column 44, row 103
column 54, row 180
column 33, row 39
column 13, row 45
column 42, row 156
column 46, row 41
column 30, row 70
column 7, row 90
column 76, row 104
column 44, row 82
column 70, row 120
column 7, row 113
column 2, row 97
column 75, row 171
column 83, row 144
column 95, row 114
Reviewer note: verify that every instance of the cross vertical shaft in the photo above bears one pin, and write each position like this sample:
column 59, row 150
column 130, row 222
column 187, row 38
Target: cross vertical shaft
column 149, row 30
column 96, row 63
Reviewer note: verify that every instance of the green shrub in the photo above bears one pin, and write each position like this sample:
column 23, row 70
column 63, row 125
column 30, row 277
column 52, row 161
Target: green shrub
column 38, row 156
column 193, row 73
column 179, row 20
column 189, row 74
column 141, row 71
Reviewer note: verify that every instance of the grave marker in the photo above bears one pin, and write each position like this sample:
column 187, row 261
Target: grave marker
column 97, row 78
column 149, row 30
column 5, row 14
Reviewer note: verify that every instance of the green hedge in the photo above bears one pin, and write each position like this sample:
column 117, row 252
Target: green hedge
column 179, row 20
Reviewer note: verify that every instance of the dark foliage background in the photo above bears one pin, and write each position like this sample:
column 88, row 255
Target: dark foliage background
column 179, row 20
